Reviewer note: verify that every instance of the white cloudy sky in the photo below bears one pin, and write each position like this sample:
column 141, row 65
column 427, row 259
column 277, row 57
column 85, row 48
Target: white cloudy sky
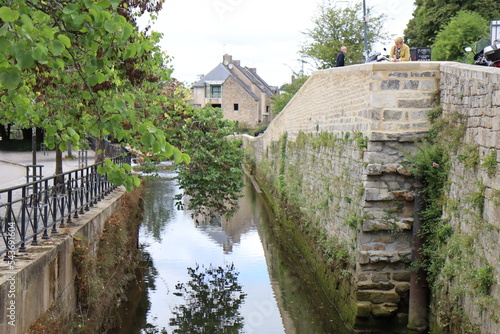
column 265, row 34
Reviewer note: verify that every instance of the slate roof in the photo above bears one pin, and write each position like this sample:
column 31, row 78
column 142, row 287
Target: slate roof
column 218, row 75
column 222, row 71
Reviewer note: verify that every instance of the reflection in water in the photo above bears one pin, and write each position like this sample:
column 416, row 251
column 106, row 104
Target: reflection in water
column 212, row 300
column 273, row 293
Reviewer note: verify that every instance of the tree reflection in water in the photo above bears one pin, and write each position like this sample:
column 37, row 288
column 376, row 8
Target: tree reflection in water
column 212, row 297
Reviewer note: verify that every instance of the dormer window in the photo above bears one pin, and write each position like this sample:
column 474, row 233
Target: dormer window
column 213, row 91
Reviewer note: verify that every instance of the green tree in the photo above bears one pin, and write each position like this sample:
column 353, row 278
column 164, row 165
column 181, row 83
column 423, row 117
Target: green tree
column 335, row 27
column 279, row 102
column 463, row 30
column 78, row 68
column 430, row 16
column 213, row 179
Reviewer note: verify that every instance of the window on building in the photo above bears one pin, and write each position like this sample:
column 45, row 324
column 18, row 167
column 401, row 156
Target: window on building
column 217, row 105
column 215, row 91
column 236, row 107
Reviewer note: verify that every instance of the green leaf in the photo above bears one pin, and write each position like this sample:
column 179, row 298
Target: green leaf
column 147, row 139
column 186, row 158
column 105, row 4
column 92, row 80
column 10, row 78
column 57, row 47
column 127, row 31
column 86, row 95
column 63, row 146
column 3, row 30
column 120, row 104
column 25, row 60
column 8, row 15
column 70, row 8
column 177, row 156
column 137, row 181
column 65, row 40
column 156, row 147
column 130, row 52
column 110, row 27
column 39, row 52
column 77, row 19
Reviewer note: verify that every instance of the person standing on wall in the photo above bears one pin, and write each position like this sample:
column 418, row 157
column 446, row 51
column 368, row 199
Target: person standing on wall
column 341, row 57
column 399, row 51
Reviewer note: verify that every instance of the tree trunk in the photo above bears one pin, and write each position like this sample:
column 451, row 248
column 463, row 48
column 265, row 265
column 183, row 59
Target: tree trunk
column 99, row 150
column 59, row 167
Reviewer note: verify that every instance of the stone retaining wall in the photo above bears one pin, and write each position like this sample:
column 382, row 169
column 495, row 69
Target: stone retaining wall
column 472, row 206
column 347, row 131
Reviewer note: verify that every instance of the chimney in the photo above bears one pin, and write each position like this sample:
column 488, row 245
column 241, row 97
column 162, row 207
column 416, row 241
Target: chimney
column 227, row 59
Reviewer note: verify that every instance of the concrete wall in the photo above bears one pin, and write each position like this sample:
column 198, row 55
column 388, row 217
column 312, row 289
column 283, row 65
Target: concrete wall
column 45, row 274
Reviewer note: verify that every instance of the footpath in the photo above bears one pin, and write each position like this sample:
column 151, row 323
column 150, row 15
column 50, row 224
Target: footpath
column 13, row 165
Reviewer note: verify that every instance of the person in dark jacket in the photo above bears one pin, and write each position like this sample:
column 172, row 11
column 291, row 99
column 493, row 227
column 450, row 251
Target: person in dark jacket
column 341, row 57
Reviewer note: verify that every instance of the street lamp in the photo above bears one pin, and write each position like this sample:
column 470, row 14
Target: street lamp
column 365, row 27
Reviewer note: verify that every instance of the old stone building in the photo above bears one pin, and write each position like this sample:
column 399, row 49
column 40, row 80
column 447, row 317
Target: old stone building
column 238, row 90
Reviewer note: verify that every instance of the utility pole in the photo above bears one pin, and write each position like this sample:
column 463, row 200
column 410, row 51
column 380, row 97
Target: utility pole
column 365, row 27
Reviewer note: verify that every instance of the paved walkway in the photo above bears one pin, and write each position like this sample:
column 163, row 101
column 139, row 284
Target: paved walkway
column 13, row 165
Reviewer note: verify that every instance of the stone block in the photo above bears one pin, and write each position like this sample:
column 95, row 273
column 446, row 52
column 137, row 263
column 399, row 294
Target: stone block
column 384, row 100
column 392, row 84
column 415, row 103
column 384, row 286
column 380, row 277
column 392, row 115
column 426, row 74
column 428, row 85
column 385, row 310
column 403, row 171
column 404, row 195
column 364, row 309
column 411, row 84
column 401, row 276
column 377, row 194
column 402, row 288
column 374, row 169
column 397, row 74
column 378, row 297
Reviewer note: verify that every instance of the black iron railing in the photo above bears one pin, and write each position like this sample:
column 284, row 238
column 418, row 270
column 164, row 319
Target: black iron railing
column 38, row 209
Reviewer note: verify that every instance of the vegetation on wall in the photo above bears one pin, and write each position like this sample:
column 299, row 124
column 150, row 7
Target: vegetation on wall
column 454, row 265
column 306, row 217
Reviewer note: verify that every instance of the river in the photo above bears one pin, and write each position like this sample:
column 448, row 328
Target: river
column 223, row 276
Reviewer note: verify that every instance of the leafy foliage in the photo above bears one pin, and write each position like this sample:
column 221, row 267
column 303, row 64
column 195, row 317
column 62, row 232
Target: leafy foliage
column 78, row 68
column 213, row 178
column 463, row 30
column 213, row 297
column 335, row 27
column 430, row 16
column 280, row 101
